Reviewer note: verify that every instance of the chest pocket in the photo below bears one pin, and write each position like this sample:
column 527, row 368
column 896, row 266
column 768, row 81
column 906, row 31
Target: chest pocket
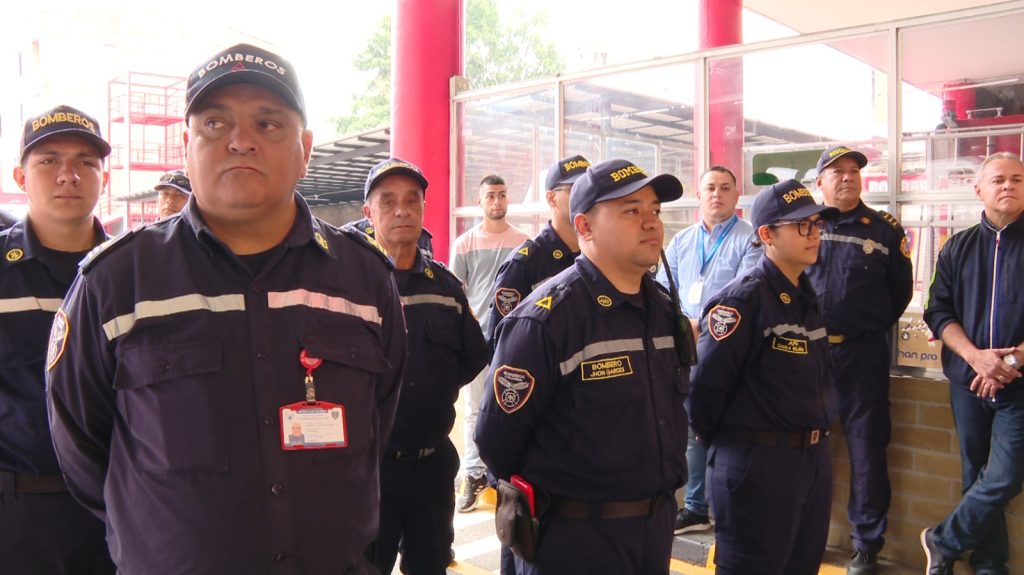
column 14, row 356
column 609, row 414
column 353, row 362
column 169, row 394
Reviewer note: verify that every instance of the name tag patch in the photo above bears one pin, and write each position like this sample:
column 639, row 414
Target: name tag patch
column 606, row 368
column 789, row 345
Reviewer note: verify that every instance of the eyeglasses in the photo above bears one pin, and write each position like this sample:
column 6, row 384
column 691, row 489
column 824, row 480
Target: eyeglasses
column 803, row 227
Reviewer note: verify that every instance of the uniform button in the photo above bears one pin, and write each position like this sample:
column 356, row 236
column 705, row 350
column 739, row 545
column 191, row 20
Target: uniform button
column 280, row 557
column 276, row 489
column 261, row 354
column 163, row 366
column 353, row 353
column 661, row 422
column 412, row 384
column 256, row 288
column 268, row 420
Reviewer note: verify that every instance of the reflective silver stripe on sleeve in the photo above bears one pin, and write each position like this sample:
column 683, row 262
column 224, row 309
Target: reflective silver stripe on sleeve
column 599, row 348
column 784, row 328
column 335, row 304
column 18, row 304
column 122, row 324
column 432, row 298
column 664, row 342
column 877, row 247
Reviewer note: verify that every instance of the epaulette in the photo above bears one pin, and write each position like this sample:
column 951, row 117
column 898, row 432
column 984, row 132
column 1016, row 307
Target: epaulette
column 97, row 253
column 369, row 243
column 542, row 306
column 524, row 251
column 890, row 219
column 443, row 269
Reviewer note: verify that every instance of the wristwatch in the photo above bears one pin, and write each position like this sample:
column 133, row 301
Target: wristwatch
column 1011, row 360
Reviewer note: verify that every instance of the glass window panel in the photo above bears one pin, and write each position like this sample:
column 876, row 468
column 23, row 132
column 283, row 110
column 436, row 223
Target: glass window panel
column 786, row 125
column 509, row 135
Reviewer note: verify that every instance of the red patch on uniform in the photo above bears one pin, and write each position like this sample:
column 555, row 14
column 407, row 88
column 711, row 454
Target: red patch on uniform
column 723, row 321
column 512, row 388
column 506, row 300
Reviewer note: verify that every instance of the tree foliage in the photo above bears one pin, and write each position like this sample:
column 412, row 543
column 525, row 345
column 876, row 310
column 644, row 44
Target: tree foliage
column 496, row 52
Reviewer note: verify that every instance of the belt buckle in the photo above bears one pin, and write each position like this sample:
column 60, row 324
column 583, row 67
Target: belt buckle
column 837, row 338
column 815, row 436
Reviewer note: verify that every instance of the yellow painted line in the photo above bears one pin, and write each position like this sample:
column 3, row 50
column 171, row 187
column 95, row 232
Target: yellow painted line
column 677, row 566
column 827, row 569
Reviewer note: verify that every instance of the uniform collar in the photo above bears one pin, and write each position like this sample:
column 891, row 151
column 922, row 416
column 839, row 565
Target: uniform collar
column 602, row 292
column 549, row 236
column 1016, row 225
column 781, row 285
column 305, row 229
column 22, row 245
column 859, row 212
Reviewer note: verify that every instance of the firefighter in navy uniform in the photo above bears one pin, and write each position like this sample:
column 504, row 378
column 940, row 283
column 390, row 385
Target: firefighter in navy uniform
column 864, row 281
column 446, row 351
column 761, row 398
column 587, row 388
column 425, row 242
column 43, row 530
column 186, row 351
column 551, row 251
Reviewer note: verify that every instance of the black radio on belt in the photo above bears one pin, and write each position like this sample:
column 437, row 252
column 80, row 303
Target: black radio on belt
column 682, row 332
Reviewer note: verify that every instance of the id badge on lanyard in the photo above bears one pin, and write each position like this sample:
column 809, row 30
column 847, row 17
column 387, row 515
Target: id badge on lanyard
column 312, row 424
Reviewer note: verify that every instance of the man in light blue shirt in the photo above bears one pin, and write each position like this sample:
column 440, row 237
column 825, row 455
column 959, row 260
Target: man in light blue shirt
column 702, row 259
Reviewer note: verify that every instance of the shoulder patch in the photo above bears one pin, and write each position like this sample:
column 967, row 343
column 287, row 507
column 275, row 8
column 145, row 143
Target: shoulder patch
column 58, row 339
column 890, row 219
column 525, row 250
column 506, row 299
column 723, row 321
column 103, row 249
column 368, row 243
column 544, row 302
column 905, row 247
column 512, row 388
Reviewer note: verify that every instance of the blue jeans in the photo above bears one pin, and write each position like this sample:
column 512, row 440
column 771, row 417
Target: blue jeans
column 993, row 474
column 697, row 464
column 471, row 463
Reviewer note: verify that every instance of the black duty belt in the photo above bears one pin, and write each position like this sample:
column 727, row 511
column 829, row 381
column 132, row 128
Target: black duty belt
column 792, row 439
column 580, row 509
column 412, row 454
column 28, row 483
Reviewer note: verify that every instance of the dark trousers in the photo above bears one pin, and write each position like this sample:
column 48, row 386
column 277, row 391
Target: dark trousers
column 861, row 377
column 992, row 456
column 633, row 546
column 49, row 534
column 417, row 508
column 771, row 506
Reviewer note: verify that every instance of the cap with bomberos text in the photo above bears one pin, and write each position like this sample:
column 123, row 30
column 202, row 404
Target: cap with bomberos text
column 566, row 171
column 612, row 179
column 393, row 167
column 245, row 63
column 787, row 200
column 62, row 121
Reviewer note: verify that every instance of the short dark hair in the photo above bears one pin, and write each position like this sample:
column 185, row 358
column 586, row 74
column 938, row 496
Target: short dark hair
column 492, row 180
column 721, row 170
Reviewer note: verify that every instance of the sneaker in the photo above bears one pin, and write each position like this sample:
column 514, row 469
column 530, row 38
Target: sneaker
column 938, row 564
column 468, row 492
column 863, row 563
column 687, row 521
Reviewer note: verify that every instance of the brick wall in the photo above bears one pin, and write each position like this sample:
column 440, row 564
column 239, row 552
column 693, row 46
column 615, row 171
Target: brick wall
column 924, row 468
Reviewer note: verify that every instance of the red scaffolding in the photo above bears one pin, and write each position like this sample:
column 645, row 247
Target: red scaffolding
column 145, row 125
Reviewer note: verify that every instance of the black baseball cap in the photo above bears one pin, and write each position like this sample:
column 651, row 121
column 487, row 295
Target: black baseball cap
column 566, row 171
column 784, row 201
column 176, row 179
column 245, row 63
column 62, row 121
column 832, row 154
column 612, row 179
column 393, row 167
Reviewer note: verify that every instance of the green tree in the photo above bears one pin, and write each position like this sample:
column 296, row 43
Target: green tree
column 496, row 52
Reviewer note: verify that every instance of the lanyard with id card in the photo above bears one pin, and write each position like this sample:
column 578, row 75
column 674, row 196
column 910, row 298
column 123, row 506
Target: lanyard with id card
column 312, row 424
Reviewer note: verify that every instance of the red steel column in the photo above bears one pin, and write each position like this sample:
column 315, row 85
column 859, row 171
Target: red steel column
column 721, row 24
column 426, row 48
